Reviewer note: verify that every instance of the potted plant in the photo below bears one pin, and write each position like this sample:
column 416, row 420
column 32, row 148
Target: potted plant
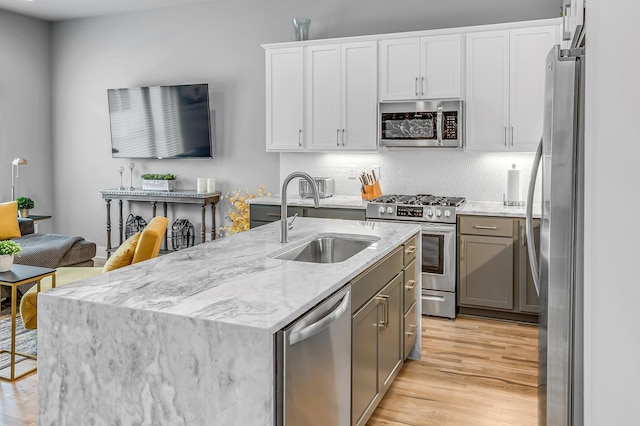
column 8, row 248
column 158, row 182
column 24, row 205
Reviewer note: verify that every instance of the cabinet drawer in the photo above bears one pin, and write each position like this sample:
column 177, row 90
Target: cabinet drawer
column 493, row 226
column 370, row 282
column 410, row 249
column 410, row 330
column 410, row 286
column 262, row 213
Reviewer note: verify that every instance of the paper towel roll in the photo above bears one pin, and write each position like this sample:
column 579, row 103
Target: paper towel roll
column 201, row 185
column 513, row 185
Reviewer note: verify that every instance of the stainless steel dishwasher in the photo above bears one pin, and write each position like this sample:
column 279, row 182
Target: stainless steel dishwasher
column 313, row 366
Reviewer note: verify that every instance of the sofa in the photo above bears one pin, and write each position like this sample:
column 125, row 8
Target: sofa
column 52, row 250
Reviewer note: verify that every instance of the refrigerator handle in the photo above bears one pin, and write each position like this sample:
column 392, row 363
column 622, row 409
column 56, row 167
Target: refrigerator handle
column 531, row 245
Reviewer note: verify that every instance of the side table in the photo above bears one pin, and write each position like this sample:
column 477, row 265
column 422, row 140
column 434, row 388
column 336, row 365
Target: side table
column 18, row 275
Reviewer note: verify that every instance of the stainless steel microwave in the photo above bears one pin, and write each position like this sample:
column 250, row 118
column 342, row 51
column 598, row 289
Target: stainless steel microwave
column 430, row 124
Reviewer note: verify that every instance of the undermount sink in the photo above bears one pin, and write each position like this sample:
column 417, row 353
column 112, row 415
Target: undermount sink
column 325, row 248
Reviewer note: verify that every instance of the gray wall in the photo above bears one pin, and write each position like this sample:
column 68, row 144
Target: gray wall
column 218, row 44
column 25, row 119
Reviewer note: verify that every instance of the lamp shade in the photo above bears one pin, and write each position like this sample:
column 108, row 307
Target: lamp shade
column 19, row 161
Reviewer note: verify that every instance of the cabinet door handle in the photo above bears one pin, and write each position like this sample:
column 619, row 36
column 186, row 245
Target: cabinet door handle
column 505, row 136
column 412, row 284
column 493, row 228
column 416, row 86
column 300, row 137
column 422, row 86
column 410, row 249
column 342, row 137
column 385, row 306
column 273, row 215
column 511, row 135
column 461, row 249
column 412, row 329
column 337, row 137
column 523, row 237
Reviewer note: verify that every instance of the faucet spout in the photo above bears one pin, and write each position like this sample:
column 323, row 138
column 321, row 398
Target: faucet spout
column 284, row 226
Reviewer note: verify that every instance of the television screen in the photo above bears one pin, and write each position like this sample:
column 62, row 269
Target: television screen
column 160, row 122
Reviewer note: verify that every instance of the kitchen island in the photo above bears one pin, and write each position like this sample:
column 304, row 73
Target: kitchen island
column 188, row 338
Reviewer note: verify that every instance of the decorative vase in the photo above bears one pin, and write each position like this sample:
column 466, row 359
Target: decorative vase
column 301, row 28
column 6, row 261
column 24, row 213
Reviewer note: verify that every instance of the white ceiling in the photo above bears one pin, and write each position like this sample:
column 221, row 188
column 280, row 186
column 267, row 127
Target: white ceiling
column 56, row 10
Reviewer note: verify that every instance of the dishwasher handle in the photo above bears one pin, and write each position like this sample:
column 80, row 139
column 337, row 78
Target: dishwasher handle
column 324, row 322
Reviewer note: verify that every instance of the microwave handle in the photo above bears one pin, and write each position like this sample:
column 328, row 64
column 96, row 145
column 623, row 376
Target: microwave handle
column 439, row 125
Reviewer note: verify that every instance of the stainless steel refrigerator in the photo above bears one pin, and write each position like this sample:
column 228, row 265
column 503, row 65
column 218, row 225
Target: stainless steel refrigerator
column 559, row 277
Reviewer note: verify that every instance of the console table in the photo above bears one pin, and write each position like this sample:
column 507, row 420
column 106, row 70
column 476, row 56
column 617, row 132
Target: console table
column 164, row 197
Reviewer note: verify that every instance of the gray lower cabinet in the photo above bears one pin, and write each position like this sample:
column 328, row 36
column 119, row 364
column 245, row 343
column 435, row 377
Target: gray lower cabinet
column 486, row 271
column 383, row 327
column 364, row 359
column 261, row 214
column 391, row 329
column 528, row 297
column 494, row 270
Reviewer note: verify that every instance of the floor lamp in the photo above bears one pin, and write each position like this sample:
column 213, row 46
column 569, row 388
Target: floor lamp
column 17, row 162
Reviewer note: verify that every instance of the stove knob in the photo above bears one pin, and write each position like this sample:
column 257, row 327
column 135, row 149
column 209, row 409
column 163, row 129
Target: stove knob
column 390, row 210
column 447, row 213
column 381, row 210
column 429, row 212
column 438, row 212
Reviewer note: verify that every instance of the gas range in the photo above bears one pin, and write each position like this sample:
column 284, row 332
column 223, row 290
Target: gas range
column 415, row 208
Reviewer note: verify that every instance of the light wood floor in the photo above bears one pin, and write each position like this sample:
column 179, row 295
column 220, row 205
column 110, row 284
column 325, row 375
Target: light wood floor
column 473, row 372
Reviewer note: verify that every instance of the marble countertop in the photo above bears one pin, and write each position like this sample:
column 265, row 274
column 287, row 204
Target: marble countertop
column 232, row 280
column 494, row 208
column 335, row 201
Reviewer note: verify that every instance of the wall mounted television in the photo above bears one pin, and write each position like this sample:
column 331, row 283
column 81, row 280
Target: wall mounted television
column 160, row 122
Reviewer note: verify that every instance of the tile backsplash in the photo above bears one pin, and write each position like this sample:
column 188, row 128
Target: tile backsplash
column 476, row 176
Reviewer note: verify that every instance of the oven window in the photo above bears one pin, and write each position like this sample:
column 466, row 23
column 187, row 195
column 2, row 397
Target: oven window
column 433, row 254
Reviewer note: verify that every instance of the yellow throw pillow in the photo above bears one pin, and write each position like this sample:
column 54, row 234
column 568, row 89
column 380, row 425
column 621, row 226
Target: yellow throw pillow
column 9, row 227
column 124, row 255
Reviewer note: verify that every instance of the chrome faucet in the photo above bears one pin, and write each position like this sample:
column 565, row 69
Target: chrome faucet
column 284, row 223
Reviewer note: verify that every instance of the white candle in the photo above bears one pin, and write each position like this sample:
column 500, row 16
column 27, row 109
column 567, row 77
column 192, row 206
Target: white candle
column 211, row 185
column 201, row 186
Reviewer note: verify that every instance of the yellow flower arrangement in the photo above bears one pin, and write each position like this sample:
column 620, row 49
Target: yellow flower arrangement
column 238, row 212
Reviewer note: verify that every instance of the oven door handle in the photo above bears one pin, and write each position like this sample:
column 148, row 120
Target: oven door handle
column 439, row 124
column 438, row 230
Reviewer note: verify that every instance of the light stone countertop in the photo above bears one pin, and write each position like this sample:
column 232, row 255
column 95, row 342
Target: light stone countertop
column 335, row 201
column 494, row 208
column 232, row 280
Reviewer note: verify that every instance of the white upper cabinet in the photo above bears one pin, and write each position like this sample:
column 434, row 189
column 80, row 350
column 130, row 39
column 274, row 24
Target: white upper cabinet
column 505, row 88
column 487, row 91
column 420, row 68
column 284, row 96
column 340, row 108
column 440, row 66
